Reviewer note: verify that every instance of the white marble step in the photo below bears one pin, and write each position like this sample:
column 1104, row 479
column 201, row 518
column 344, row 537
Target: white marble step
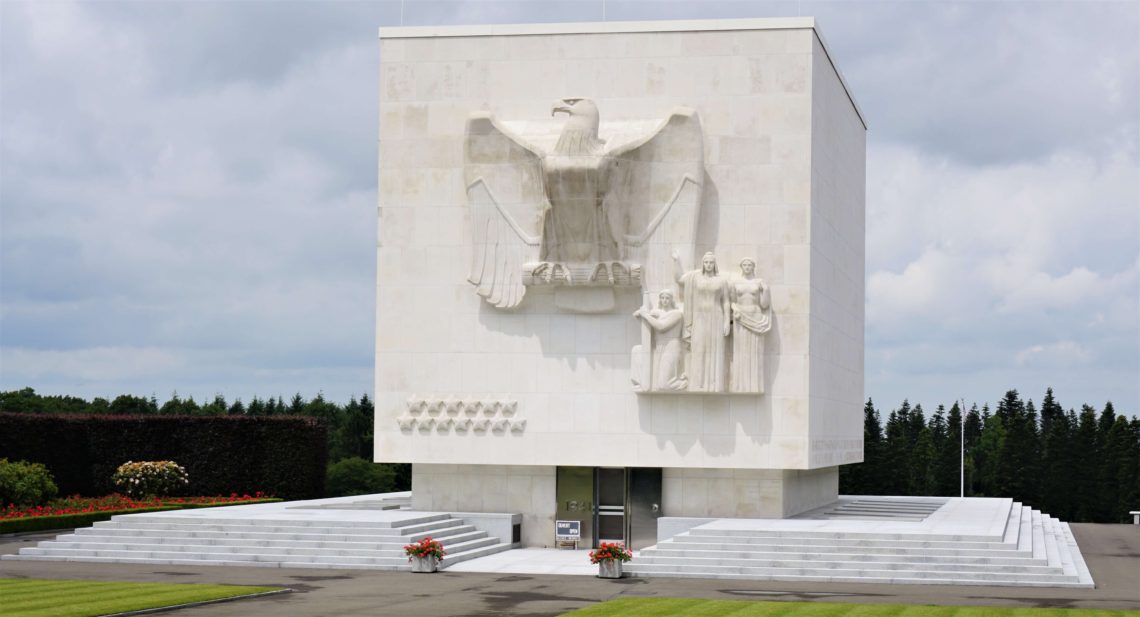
column 478, row 541
column 438, row 534
column 977, row 576
column 666, row 550
column 284, row 522
column 1075, row 553
column 837, row 535
column 707, row 538
column 215, row 562
column 398, row 564
column 278, row 528
column 1033, row 549
column 900, row 578
column 207, row 554
column 371, row 543
column 855, row 564
column 204, row 541
column 466, row 555
column 229, row 553
column 1012, row 525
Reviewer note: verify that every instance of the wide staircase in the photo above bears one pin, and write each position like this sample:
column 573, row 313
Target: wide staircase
column 1034, row 550
column 173, row 540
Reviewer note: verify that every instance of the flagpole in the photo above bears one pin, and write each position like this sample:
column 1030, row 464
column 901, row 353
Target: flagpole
column 962, row 448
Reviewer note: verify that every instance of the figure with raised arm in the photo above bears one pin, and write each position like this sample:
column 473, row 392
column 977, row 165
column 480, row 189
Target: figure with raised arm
column 707, row 323
column 751, row 320
column 666, row 321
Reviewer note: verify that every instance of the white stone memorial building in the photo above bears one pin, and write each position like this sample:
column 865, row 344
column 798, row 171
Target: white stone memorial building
column 619, row 271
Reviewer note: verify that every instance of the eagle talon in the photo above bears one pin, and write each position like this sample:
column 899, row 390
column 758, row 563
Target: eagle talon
column 598, row 268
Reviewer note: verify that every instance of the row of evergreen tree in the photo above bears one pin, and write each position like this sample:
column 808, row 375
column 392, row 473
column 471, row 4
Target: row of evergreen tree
column 1077, row 466
column 349, row 425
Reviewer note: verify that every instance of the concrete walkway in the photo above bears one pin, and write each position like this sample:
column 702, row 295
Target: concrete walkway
column 1111, row 551
column 532, row 561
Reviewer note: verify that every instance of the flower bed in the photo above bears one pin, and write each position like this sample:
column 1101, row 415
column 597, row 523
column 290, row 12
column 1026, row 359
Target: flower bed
column 76, row 511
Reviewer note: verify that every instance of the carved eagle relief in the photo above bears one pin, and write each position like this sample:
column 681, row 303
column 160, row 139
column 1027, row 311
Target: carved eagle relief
column 583, row 213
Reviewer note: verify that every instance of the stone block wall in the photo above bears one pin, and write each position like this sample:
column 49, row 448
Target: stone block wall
column 783, row 185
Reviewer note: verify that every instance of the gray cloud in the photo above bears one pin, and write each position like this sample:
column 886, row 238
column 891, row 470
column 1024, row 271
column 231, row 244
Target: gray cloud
column 187, row 191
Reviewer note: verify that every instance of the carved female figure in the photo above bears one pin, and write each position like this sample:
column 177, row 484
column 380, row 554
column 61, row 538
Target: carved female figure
column 706, row 323
column 751, row 319
column 668, row 352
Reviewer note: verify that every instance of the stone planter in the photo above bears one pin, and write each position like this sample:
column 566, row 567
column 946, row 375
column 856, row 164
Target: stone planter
column 609, row 568
column 425, row 565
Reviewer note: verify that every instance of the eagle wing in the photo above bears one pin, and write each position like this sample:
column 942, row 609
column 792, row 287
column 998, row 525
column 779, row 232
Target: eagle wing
column 654, row 195
column 507, row 203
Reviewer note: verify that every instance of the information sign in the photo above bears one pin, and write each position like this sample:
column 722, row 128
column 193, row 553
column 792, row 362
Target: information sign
column 567, row 532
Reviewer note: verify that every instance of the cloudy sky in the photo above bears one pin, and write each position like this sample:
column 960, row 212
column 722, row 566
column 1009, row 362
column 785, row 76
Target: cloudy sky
column 188, row 190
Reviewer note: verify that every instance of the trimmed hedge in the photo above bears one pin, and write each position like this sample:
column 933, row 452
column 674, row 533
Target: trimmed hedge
column 86, row 519
column 283, row 456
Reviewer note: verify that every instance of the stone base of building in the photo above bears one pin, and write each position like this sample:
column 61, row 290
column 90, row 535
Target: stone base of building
column 747, row 493
column 533, row 492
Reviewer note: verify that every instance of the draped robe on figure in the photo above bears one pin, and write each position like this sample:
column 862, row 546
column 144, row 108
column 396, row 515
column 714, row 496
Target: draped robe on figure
column 751, row 322
column 706, row 298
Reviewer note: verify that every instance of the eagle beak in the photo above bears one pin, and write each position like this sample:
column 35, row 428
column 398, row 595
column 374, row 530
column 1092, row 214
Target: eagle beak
column 560, row 107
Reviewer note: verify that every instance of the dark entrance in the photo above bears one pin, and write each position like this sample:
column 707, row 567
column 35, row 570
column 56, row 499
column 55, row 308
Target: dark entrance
column 614, row 504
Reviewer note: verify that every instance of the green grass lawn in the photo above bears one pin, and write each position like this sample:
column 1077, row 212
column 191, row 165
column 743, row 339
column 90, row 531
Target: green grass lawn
column 690, row 607
column 62, row 598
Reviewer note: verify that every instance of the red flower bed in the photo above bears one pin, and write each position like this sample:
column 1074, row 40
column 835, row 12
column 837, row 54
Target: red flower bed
column 115, row 502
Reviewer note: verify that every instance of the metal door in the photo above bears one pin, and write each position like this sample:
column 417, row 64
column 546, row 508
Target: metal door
column 644, row 506
column 610, row 491
column 574, row 489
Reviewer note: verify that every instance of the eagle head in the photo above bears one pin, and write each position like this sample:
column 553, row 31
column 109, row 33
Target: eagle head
column 580, row 133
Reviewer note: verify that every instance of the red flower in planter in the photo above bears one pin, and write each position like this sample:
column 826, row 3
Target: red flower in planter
column 425, row 548
column 607, row 551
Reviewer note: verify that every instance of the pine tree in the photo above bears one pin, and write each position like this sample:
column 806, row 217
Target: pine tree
column 863, row 478
column 973, row 436
column 947, row 452
column 216, row 407
column 173, row 406
column 1086, row 467
column 921, row 476
column 256, row 407
column 1105, row 475
column 916, row 424
column 1120, row 461
column 988, row 455
column 1018, row 473
column 1050, row 411
column 1057, row 480
column 896, row 452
